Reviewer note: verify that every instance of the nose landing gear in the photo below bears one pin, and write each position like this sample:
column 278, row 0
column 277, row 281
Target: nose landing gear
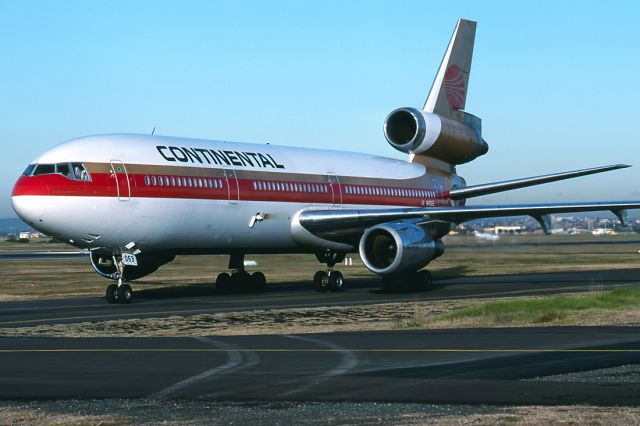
column 119, row 293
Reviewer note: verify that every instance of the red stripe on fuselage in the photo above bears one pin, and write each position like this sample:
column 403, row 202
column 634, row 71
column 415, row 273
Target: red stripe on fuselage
column 104, row 185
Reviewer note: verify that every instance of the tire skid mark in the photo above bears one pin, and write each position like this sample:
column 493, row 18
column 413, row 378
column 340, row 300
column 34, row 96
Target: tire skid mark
column 349, row 361
column 235, row 361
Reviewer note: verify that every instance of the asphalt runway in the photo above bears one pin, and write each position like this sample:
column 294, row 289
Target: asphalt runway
column 199, row 299
column 490, row 366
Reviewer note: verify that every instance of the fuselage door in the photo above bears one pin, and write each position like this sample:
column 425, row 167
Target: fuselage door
column 336, row 190
column 231, row 181
column 121, row 177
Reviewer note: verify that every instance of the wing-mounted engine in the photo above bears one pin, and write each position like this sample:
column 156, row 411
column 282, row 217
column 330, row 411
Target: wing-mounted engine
column 412, row 131
column 148, row 263
column 397, row 247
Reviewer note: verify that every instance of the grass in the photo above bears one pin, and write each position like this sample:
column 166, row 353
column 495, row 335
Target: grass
column 464, row 256
column 547, row 310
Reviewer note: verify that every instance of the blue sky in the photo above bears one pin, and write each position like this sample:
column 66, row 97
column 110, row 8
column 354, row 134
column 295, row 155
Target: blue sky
column 555, row 83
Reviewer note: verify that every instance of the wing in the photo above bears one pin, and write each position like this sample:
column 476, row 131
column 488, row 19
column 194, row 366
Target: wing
column 492, row 188
column 347, row 224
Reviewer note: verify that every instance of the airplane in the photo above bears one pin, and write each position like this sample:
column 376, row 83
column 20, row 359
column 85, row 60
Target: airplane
column 137, row 201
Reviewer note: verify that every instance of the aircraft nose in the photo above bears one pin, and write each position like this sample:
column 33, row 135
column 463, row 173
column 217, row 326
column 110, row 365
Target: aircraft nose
column 26, row 205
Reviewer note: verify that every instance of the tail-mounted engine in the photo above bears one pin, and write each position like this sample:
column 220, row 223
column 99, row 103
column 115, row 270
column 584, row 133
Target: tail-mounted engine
column 396, row 247
column 418, row 132
column 147, row 263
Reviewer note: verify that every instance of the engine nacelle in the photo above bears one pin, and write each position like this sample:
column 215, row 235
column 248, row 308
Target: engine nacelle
column 396, row 247
column 147, row 263
column 417, row 132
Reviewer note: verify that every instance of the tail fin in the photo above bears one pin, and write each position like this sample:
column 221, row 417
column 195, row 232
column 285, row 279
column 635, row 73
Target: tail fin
column 449, row 91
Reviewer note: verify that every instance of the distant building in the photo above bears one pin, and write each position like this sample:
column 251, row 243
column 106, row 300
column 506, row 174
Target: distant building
column 25, row 236
column 506, row 230
column 603, row 231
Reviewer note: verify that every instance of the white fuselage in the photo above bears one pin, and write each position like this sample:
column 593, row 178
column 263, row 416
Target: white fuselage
column 188, row 195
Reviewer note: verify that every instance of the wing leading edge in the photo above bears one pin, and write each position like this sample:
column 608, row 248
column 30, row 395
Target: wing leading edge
column 492, row 188
column 332, row 222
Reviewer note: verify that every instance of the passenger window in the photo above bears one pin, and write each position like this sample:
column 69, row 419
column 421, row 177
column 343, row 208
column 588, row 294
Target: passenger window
column 153, row 180
column 146, row 180
column 173, row 181
column 166, row 180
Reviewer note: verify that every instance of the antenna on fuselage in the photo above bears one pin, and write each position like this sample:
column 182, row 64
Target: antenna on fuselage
column 153, row 131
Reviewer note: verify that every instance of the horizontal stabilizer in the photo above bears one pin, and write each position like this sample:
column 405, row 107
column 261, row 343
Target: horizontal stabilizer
column 492, row 188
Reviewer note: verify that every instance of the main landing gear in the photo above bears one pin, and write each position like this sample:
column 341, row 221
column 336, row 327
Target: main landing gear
column 121, row 292
column 240, row 281
column 409, row 281
column 329, row 280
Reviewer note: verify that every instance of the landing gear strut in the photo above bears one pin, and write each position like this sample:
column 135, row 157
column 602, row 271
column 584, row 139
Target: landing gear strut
column 121, row 292
column 410, row 281
column 240, row 280
column 329, row 279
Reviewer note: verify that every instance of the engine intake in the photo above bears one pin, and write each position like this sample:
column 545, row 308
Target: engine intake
column 396, row 247
column 417, row 132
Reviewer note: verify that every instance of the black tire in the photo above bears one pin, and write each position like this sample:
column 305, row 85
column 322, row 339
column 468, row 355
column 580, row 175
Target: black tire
column 387, row 283
column 424, row 281
column 241, row 282
column 223, row 283
column 336, row 281
column 259, row 281
column 394, row 283
column 112, row 293
column 319, row 281
column 125, row 293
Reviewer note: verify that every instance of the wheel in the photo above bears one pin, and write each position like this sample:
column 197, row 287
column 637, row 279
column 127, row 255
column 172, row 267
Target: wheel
column 392, row 282
column 336, row 281
column 320, row 281
column 125, row 294
column 259, row 281
column 112, row 293
column 241, row 282
column 223, row 282
column 424, row 281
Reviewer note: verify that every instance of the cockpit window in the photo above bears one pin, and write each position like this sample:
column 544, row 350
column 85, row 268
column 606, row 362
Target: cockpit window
column 74, row 171
column 64, row 170
column 80, row 172
column 45, row 169
column 29, row 170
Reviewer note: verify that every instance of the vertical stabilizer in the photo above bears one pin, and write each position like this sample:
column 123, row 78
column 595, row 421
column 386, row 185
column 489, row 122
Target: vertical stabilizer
column 449, row 91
